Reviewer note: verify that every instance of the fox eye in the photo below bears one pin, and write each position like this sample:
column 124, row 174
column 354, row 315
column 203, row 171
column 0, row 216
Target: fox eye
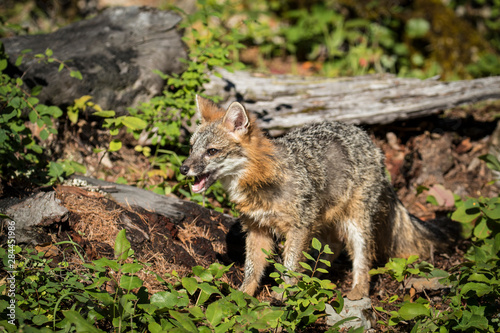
column 212, row 151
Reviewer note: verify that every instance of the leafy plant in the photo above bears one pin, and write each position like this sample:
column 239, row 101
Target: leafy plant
column 304, row 301
column 480, row 217
column 472, row 302
column 401, row 269
column 165, row 118
column 21, row 150
column 108, row 295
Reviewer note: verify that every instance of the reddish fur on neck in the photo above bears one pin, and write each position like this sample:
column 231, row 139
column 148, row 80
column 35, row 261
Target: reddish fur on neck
column 263, row 167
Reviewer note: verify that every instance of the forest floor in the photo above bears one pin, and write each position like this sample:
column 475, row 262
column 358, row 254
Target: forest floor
column 436, row 155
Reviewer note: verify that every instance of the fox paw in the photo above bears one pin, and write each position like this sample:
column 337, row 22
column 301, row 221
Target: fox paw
column 356, row 293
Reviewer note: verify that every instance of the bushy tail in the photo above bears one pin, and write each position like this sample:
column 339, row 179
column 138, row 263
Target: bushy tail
column 413, row 236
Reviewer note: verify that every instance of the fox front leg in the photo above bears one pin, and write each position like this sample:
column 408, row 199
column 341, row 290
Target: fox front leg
column 297, row 240
column 255, row 260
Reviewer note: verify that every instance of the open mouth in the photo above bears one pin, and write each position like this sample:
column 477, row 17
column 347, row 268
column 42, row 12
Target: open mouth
column 201, row 183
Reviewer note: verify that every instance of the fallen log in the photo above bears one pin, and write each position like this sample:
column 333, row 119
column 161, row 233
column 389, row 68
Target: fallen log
column 285, row 101
column 173, row 208
column 116, row 52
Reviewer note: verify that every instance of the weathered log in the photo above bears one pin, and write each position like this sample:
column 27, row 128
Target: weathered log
column 31, row 214
column 116, row 53
column 285, row 101
column 36, row 215
column 179, row 212
column 175, row 209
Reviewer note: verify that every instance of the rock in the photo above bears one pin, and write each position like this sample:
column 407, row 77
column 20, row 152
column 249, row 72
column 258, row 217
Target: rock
column 116, row 53
column 357, row 309
column 33, row 213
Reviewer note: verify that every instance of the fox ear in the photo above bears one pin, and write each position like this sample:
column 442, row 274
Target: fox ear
column 236, row 118
column 207, row 109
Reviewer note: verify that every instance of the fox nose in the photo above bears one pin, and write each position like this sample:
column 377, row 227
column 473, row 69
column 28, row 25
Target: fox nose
column 184, row 169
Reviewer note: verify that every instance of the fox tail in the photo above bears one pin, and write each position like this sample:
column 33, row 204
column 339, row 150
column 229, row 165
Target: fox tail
column 410, row 235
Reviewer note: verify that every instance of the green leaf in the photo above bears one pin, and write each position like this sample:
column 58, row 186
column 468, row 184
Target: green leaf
column 202, row 273
column 115, row 145
column 190, row 284
column 305, row 266
column 3, row 64
column 412, row 310
column 316, row 244
column 493, row 212
column 102, row 297
column 463, row 216
column 184, row 321
column 214, row 313
column 78, row 167
column 44, row 134
column 482, row 230
column 104, row 114
column 432, row 200
column 55, row 169
column 154, row 327
column 417, row 27
column 308, row 256
column 76, row 75
column 134, row 123
column 49, row 52
column 35, row 91
column 480, row 289
column 39, row 319
column 196, row 312
column 166, row 299
column 33, row 116
column 130, row 282
column 491, row 161
column 73, row 115
column 122, row 245
column 80, row 323
column 208, row 289
column 479, row 278
column 326, row 262
column 473, row 319
column 131, row 268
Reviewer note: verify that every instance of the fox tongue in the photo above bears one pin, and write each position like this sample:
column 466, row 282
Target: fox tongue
column 199, row 183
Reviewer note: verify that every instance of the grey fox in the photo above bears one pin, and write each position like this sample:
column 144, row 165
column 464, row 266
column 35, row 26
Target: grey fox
column 323, row 180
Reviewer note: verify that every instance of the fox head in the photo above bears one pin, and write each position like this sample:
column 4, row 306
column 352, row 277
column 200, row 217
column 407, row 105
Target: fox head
column 217, row 144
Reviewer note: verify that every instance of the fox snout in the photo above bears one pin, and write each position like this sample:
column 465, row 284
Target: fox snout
column 184, row 169
column 202, row 178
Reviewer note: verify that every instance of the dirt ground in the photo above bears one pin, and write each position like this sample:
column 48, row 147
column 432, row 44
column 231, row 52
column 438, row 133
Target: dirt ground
column 420, row 153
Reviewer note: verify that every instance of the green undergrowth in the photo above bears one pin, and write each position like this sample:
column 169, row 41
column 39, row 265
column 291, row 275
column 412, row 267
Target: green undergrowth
column 22, row 151
column 421, row 38
column 109, row 296
column 471, row 294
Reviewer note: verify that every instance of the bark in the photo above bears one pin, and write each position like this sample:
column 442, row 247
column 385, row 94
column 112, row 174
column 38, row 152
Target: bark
column 285, row 101
column 116, row 53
